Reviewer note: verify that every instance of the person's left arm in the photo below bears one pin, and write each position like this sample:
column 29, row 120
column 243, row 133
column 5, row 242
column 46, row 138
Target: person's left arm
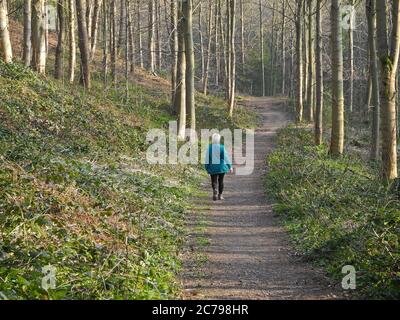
column 227, row 159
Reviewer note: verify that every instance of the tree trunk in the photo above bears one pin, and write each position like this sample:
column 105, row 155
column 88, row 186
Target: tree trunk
column 105, row 43
column 201, row 40
column 174, row 49
column 373, row 78
column 319, row 78
column 262, row 48
column 95, row 27
column 209, row 38
column 351, row 62
column 151, row 62
column 337, row 138
column 272, row 75
column 38, row 37
column 299, row 62
column 113, row 41
column 283, row 48
column 180, row 100
column 389, row 57
column 190, row 64
column 5, row 42
column 122, row 26
column 27, row 53
column 232, row 94
column 58, row 68
column 140, row 40
column 72, row 41
column 131, row 37
column 242, row 48
column 311, row 67
column 83, row 44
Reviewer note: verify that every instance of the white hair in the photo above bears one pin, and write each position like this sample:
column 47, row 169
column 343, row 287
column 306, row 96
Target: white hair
column 216, row 138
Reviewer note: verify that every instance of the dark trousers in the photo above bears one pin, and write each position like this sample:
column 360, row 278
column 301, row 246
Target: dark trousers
column 217, row 181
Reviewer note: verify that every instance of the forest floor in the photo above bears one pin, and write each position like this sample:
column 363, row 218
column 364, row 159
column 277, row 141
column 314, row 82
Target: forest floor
column 245, row 252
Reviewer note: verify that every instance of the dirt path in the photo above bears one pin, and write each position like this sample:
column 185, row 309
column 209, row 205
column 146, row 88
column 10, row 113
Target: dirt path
column 248, row 256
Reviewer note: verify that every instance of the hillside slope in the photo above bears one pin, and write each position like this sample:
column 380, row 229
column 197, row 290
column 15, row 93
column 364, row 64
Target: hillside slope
column 76, row 192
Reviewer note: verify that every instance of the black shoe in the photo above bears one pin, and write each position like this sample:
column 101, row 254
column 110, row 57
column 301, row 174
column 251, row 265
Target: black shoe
column 215, row 197
column 220, row 197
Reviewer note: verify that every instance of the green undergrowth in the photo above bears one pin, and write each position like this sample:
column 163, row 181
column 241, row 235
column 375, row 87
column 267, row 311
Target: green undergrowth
column 338, row 212
column 77, row 194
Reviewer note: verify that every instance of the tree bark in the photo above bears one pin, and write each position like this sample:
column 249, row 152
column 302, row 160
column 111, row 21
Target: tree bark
column 389, row 57
column 83, row 44
column 95, row 27
column 58, row 68
column 373, row 78
column 72, row 41
column 232, row 16
column 209, row 38
column 38, row 37
column 337, row 136
column 262, row 48
column 180, row 99
column 319, row 78
column 27, row 53
column 351, row 62
column 190, row 63
column 151, row 60
column 311, row 66
column 299, row 62
column 174, row 49
column 283, row 48
column 5, row 42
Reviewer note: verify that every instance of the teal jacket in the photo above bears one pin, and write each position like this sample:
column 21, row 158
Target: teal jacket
column 217, row 160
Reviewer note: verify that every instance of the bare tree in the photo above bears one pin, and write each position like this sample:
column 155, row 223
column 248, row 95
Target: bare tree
column 337, row 136
column 388, row 51
column 58, row 68
column 38, row 36
column 84, row 46
column 27, row 51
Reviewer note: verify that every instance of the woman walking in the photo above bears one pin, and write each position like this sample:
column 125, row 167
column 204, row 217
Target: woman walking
column 217, row 164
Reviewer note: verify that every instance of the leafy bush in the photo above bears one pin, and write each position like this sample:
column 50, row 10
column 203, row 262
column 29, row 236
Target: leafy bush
column 338, row 212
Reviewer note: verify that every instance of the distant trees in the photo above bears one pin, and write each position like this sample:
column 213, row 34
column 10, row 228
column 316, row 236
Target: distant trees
column 262, row 47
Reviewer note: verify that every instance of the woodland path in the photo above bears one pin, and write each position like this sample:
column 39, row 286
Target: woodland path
column 249, row 255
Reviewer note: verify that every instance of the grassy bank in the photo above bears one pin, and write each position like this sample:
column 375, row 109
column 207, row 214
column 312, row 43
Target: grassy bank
column 76, row 192
column 338, row 212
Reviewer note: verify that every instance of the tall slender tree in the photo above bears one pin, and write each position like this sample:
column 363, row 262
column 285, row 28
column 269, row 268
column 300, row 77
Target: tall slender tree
column 72, row 41
column 5, row 42
column 38, row 36
column 299, row 62
column 190, row 62
column 84, row 46
column 58, row 68
column 388, row 51
column 373, row 78
column 27, row 50
column 337, row 135
column 319, row 77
